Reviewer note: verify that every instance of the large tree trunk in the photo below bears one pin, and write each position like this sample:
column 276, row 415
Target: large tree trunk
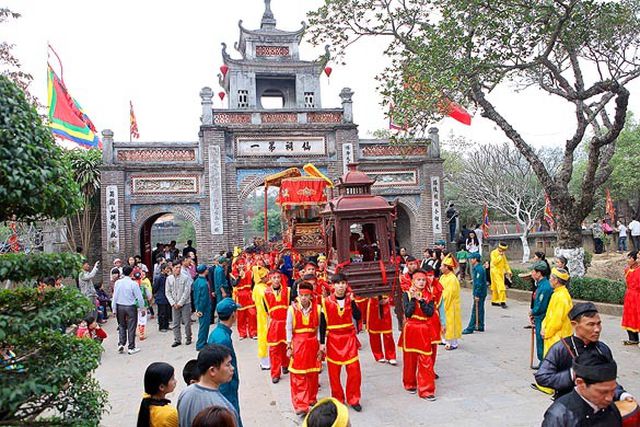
column 569, row 245
column 526, row 251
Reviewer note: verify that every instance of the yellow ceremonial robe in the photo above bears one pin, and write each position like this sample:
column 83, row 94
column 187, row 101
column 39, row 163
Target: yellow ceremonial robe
column 556, row 324
column 451, row 298
column 261, row 314
column 499, row 266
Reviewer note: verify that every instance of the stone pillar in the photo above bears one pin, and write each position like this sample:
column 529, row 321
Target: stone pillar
column 206, row 94
column 107, row 147
column 434, row 147
column 347, row 105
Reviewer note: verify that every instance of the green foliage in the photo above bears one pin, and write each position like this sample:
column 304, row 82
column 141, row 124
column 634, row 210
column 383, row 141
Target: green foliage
column 51, row 370
column 588, row 256
column 187, row 232
column 34, row 180
column 462, row 50
column 20, row 267
column 624, row 182
column 85, row 165
column 273, row 217
column 584, row 288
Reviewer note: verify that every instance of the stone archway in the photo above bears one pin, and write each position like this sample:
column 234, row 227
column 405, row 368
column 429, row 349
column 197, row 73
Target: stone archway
column 406, row 224
column 143, row 217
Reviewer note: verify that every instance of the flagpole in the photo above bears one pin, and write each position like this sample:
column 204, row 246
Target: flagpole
column 130, row 133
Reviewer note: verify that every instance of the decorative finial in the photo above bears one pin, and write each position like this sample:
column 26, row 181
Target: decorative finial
column 268, row 20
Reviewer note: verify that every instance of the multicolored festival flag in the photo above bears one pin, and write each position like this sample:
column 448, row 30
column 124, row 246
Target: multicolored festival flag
column 610, row 209
column 485, row 222
column 133, row 123
column 548, row 214
column 67, row 119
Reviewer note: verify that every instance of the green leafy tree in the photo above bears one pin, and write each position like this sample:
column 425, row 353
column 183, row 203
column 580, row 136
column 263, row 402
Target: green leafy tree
column 46, row 374
column 580, row 51
column 624, row 182
column 85, row 165
column 35, row 182
column 273, row 217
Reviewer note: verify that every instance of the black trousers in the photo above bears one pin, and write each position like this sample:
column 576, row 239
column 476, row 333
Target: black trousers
column 127, row 316
column 164, row 315
column 599, row 245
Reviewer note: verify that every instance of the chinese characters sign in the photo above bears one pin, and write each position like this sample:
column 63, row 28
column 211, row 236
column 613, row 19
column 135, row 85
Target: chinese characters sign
column 280, row 146
column 215, row 187
column 436, row 208
column 113, row 225
column 347, row 156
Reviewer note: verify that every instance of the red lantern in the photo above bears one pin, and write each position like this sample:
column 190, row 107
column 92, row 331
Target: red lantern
column 221, row 95
column 224, row 69
column 327, row 71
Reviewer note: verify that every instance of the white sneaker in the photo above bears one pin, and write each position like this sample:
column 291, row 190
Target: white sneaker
column 393, row 362
column 382, row 360
column 120, row 349
column 133, row 350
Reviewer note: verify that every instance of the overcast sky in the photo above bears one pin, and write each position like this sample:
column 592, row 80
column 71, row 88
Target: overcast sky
column 159, row 54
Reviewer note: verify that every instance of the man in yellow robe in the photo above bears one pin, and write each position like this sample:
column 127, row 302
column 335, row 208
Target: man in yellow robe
column 451, row 301
column 260, row 273
column 499, row 268
column 556, row 324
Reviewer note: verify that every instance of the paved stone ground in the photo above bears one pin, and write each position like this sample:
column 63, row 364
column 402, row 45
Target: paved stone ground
column 484, row 382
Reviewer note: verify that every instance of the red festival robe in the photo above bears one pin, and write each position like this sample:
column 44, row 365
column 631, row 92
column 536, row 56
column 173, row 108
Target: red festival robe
column 342, row 344
column 277, row 306
column 417, row 332
column 434, row 321
column 631, row 310
column 304, row 358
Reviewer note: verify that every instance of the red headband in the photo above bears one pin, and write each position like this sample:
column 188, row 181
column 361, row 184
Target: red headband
column 419, row 274
column 305, row 292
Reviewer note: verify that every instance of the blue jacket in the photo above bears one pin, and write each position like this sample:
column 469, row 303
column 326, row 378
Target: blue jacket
column 222, row 335
column 220, row 281
column 201, row 296
column 479, row 281
column 158, row 289
column 543, row 296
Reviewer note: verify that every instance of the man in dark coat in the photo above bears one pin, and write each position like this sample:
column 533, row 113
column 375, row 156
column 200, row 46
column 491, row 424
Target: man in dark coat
column 591, row 401
column 555, row 370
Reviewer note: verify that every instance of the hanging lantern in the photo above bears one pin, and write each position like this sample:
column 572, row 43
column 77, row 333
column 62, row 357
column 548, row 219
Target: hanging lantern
column 224, row 69
column 221, row 95
column 327, row 71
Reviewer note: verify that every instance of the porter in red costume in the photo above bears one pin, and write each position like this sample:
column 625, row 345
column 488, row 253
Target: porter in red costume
column 380, row 329
column 341, row 348
column 415, row 339
column 243, row 284
column 276, row 302
column 303, row 349
column 631, row 308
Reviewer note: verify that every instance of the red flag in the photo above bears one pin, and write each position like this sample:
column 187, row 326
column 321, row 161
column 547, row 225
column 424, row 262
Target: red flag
column 485, row 222
column 133, row 123
column 548, row 214
column 458, row 112
column 610, row 210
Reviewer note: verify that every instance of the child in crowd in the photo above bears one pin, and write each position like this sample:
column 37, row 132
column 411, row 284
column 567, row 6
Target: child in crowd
column 462, row 256
column 190, row 372
column 104, row 302
column 147, row 295
column 155, row 409
column 89, row 328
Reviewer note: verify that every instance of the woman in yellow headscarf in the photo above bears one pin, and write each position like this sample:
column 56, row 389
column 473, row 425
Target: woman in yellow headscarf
column 451, row 298
column 556, row 324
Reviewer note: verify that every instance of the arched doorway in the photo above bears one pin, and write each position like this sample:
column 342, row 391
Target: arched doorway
column 162, row 224
column 253, row 215
column 403, row 230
